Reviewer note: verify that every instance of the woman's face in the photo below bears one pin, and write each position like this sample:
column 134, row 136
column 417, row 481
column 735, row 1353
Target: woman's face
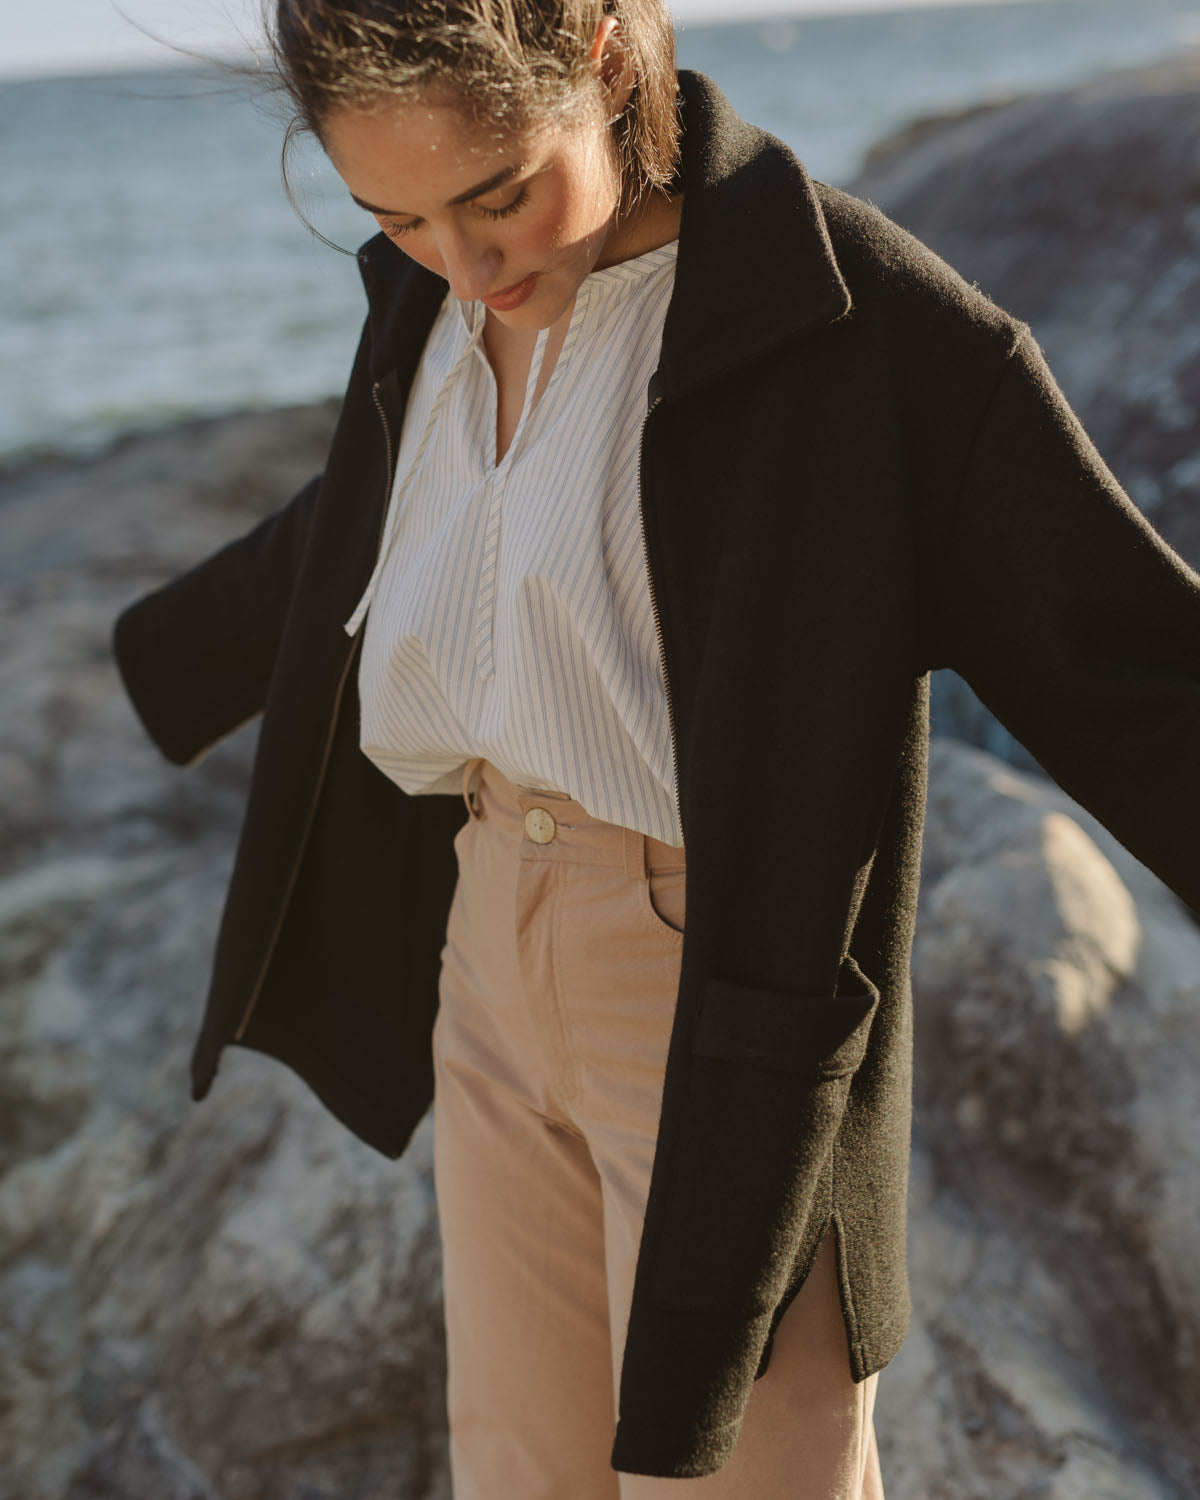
column 516, row 222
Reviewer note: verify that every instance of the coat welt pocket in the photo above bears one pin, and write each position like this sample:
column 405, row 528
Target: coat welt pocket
column 794, row 1033
column 770, row 1072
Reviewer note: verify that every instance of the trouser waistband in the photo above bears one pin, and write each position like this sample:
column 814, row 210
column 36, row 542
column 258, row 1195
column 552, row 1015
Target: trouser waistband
column 553, row 825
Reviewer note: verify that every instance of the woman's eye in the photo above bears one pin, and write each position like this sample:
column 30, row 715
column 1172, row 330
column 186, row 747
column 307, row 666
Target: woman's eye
column 509, row 208
column 394, row 227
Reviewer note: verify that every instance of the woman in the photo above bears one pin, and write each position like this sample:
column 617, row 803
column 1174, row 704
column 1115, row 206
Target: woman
column 665, row 475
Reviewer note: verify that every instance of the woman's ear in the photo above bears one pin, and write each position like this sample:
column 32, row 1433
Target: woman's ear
column 614, row 65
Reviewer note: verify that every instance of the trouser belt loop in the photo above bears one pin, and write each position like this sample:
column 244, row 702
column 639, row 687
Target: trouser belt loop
column 635, row 853
column 470, row 772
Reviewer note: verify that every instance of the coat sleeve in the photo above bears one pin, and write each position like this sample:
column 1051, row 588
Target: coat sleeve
column 1075, row 623
column 196, row 655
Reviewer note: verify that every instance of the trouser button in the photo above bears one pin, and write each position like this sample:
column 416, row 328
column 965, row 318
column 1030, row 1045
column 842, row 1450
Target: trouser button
column 540, row 825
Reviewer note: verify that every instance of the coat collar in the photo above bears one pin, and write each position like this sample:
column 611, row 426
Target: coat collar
column 756, row 266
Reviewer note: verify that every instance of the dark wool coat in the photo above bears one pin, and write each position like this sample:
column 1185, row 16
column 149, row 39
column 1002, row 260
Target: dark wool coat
column 856, row 468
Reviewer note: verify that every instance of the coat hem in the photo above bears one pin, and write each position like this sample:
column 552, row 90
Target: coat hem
column 869, row 1358
column 344, row 1101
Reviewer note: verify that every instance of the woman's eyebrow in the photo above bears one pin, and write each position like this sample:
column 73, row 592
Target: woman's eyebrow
column 498, row 179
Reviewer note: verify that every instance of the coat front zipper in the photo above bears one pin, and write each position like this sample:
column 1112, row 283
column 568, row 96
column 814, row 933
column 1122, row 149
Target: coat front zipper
column 326, row 751
column 387, row 443
column 655, row 402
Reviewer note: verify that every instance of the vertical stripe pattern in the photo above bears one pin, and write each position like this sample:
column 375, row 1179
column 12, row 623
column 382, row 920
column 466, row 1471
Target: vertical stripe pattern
column 509, row 612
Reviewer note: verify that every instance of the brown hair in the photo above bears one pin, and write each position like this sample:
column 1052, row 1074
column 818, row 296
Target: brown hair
column 505, row 63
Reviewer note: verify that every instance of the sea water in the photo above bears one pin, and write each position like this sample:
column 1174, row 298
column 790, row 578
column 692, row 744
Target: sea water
column 151, row 267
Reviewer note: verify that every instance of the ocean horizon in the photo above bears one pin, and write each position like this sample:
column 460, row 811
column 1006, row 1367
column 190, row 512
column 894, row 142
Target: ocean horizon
column 88, row 36
column 151, row 268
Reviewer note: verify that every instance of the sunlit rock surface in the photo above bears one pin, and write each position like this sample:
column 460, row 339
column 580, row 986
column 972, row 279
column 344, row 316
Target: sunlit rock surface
column 1055, row 1218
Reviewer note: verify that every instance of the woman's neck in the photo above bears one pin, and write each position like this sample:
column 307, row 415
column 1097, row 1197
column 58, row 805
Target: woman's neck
column 656, row 223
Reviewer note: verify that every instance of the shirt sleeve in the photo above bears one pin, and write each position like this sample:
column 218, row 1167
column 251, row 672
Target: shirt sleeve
column 1075, row 622
column 196, row 655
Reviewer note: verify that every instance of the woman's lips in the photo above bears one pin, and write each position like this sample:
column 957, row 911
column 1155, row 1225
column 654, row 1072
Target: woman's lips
column 513, row 296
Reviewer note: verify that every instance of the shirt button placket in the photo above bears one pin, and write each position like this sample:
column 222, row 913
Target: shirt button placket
column 485, row 605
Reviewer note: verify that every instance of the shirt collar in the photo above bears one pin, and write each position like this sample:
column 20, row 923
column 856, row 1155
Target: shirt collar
column 755, row 264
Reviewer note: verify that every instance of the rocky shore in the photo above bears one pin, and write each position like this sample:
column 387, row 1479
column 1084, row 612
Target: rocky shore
column 237, row 1300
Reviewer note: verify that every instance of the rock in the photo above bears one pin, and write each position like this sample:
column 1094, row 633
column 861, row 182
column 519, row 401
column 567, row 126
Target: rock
column 1076, row 211
column 241, row 1300
column 234, row 1301
column 1054, row 1217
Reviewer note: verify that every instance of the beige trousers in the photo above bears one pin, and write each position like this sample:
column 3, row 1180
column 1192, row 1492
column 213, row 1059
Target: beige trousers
column 557, row 994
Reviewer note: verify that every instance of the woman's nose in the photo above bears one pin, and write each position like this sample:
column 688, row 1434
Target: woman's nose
column 470, row 267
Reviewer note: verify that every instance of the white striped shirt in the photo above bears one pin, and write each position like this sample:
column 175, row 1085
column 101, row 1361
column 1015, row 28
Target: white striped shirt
column 509, row 613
